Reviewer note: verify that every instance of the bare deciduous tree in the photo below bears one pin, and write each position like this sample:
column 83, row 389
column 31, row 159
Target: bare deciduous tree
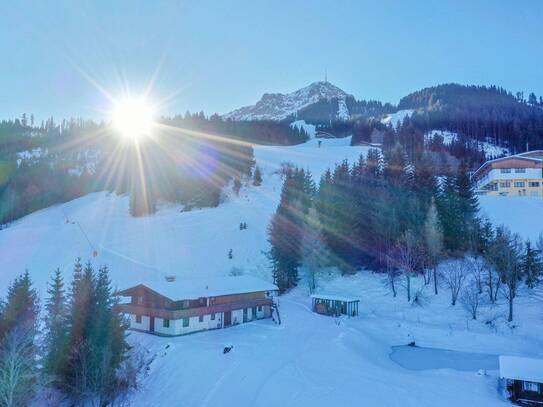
column 405, row 256
column 392, row 273
column 454, row 275
column 505, row 254
column 18, row 371
column 470, row 299
column 433, row 238
column 477, row 267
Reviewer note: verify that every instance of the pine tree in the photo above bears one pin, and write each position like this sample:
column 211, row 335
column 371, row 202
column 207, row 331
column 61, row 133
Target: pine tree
column 532, row 266
column 76, row 375
column 286, row 227
column 97, row 338
column 237, row 186
column 314, row 254
column 20, row 312
column 450, row 214
column 257, row 177
column 56, row 326
column 468, row 204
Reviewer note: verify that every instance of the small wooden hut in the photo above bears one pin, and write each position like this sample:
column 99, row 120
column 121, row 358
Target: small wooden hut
column 334, row 305
column 523, row 379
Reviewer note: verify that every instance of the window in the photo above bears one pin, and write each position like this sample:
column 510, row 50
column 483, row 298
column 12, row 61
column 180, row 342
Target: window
column 533, row 184
column 505, row 170
column 530, row 386
column 505, row 184
column 213, row 317
column 201, row 318
column 166, row 323
column 260, row 308
column 520, row 170
column 138, row 319
column 519, row 184
column 139, row 299
column 185, row 322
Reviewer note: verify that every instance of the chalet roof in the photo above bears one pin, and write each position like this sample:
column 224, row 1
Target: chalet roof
column 532, row 156
column 334, row 297
column 190, row 289
column 521, row 368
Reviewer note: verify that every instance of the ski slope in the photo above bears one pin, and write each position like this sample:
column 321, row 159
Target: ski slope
column 185, row 244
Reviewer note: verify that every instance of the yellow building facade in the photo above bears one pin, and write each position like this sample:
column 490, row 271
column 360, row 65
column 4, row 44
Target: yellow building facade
column 518, row 175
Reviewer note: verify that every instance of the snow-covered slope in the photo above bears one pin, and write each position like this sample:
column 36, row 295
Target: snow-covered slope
column 490, row 149
column 393, row 119
column 278, row 106
column 308, row 128
column 189, row 244
column 319, row 361
column 310, row 360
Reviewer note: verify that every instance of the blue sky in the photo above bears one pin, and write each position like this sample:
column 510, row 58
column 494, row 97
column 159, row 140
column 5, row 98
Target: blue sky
column 219, row 55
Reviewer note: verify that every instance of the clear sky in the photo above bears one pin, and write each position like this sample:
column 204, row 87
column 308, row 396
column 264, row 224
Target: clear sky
column 219, row 55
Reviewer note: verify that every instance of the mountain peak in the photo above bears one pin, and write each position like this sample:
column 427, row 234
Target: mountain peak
column 279, row 106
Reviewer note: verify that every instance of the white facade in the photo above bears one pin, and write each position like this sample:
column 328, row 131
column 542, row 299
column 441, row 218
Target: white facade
column 498, row 174
column 192, row 324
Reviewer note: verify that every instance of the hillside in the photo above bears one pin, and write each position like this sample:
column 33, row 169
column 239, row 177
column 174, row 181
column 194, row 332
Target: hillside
column 486, row 114
column 169, row 242
column 346, row 360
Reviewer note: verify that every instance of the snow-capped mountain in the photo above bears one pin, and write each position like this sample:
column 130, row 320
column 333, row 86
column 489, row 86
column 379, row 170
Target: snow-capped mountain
column 279, row 106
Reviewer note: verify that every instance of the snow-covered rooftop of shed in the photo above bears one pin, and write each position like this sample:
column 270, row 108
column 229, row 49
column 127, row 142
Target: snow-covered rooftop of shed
column 334, row 297
column 183, row 289
column 520, row 368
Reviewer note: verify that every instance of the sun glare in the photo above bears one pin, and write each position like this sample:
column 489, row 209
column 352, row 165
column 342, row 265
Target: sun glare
column 133, row 118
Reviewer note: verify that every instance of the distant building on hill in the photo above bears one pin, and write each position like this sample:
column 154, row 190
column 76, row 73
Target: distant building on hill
column 523, row 379
column 516, row 175
column 177, row 307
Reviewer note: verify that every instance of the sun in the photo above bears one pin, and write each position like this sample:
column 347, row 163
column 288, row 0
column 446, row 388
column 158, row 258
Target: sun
column 133, row 118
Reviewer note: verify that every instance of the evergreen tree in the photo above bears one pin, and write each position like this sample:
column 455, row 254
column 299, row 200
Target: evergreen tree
column 56, row 326
column 450, row 215
column 468, row 204
column 237, row 186
column 286, row 227
column 314, row 254
column 21, row 308
column 257, row 177
column 532, row 266
column 76, row 375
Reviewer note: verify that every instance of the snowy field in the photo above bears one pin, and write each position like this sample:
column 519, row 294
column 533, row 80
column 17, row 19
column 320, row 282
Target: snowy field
column 314, row 360
column 310, row 360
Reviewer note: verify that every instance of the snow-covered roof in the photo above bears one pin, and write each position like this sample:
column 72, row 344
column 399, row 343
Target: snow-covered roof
column 185, row 289
column 521, row 368
column 334, row 297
